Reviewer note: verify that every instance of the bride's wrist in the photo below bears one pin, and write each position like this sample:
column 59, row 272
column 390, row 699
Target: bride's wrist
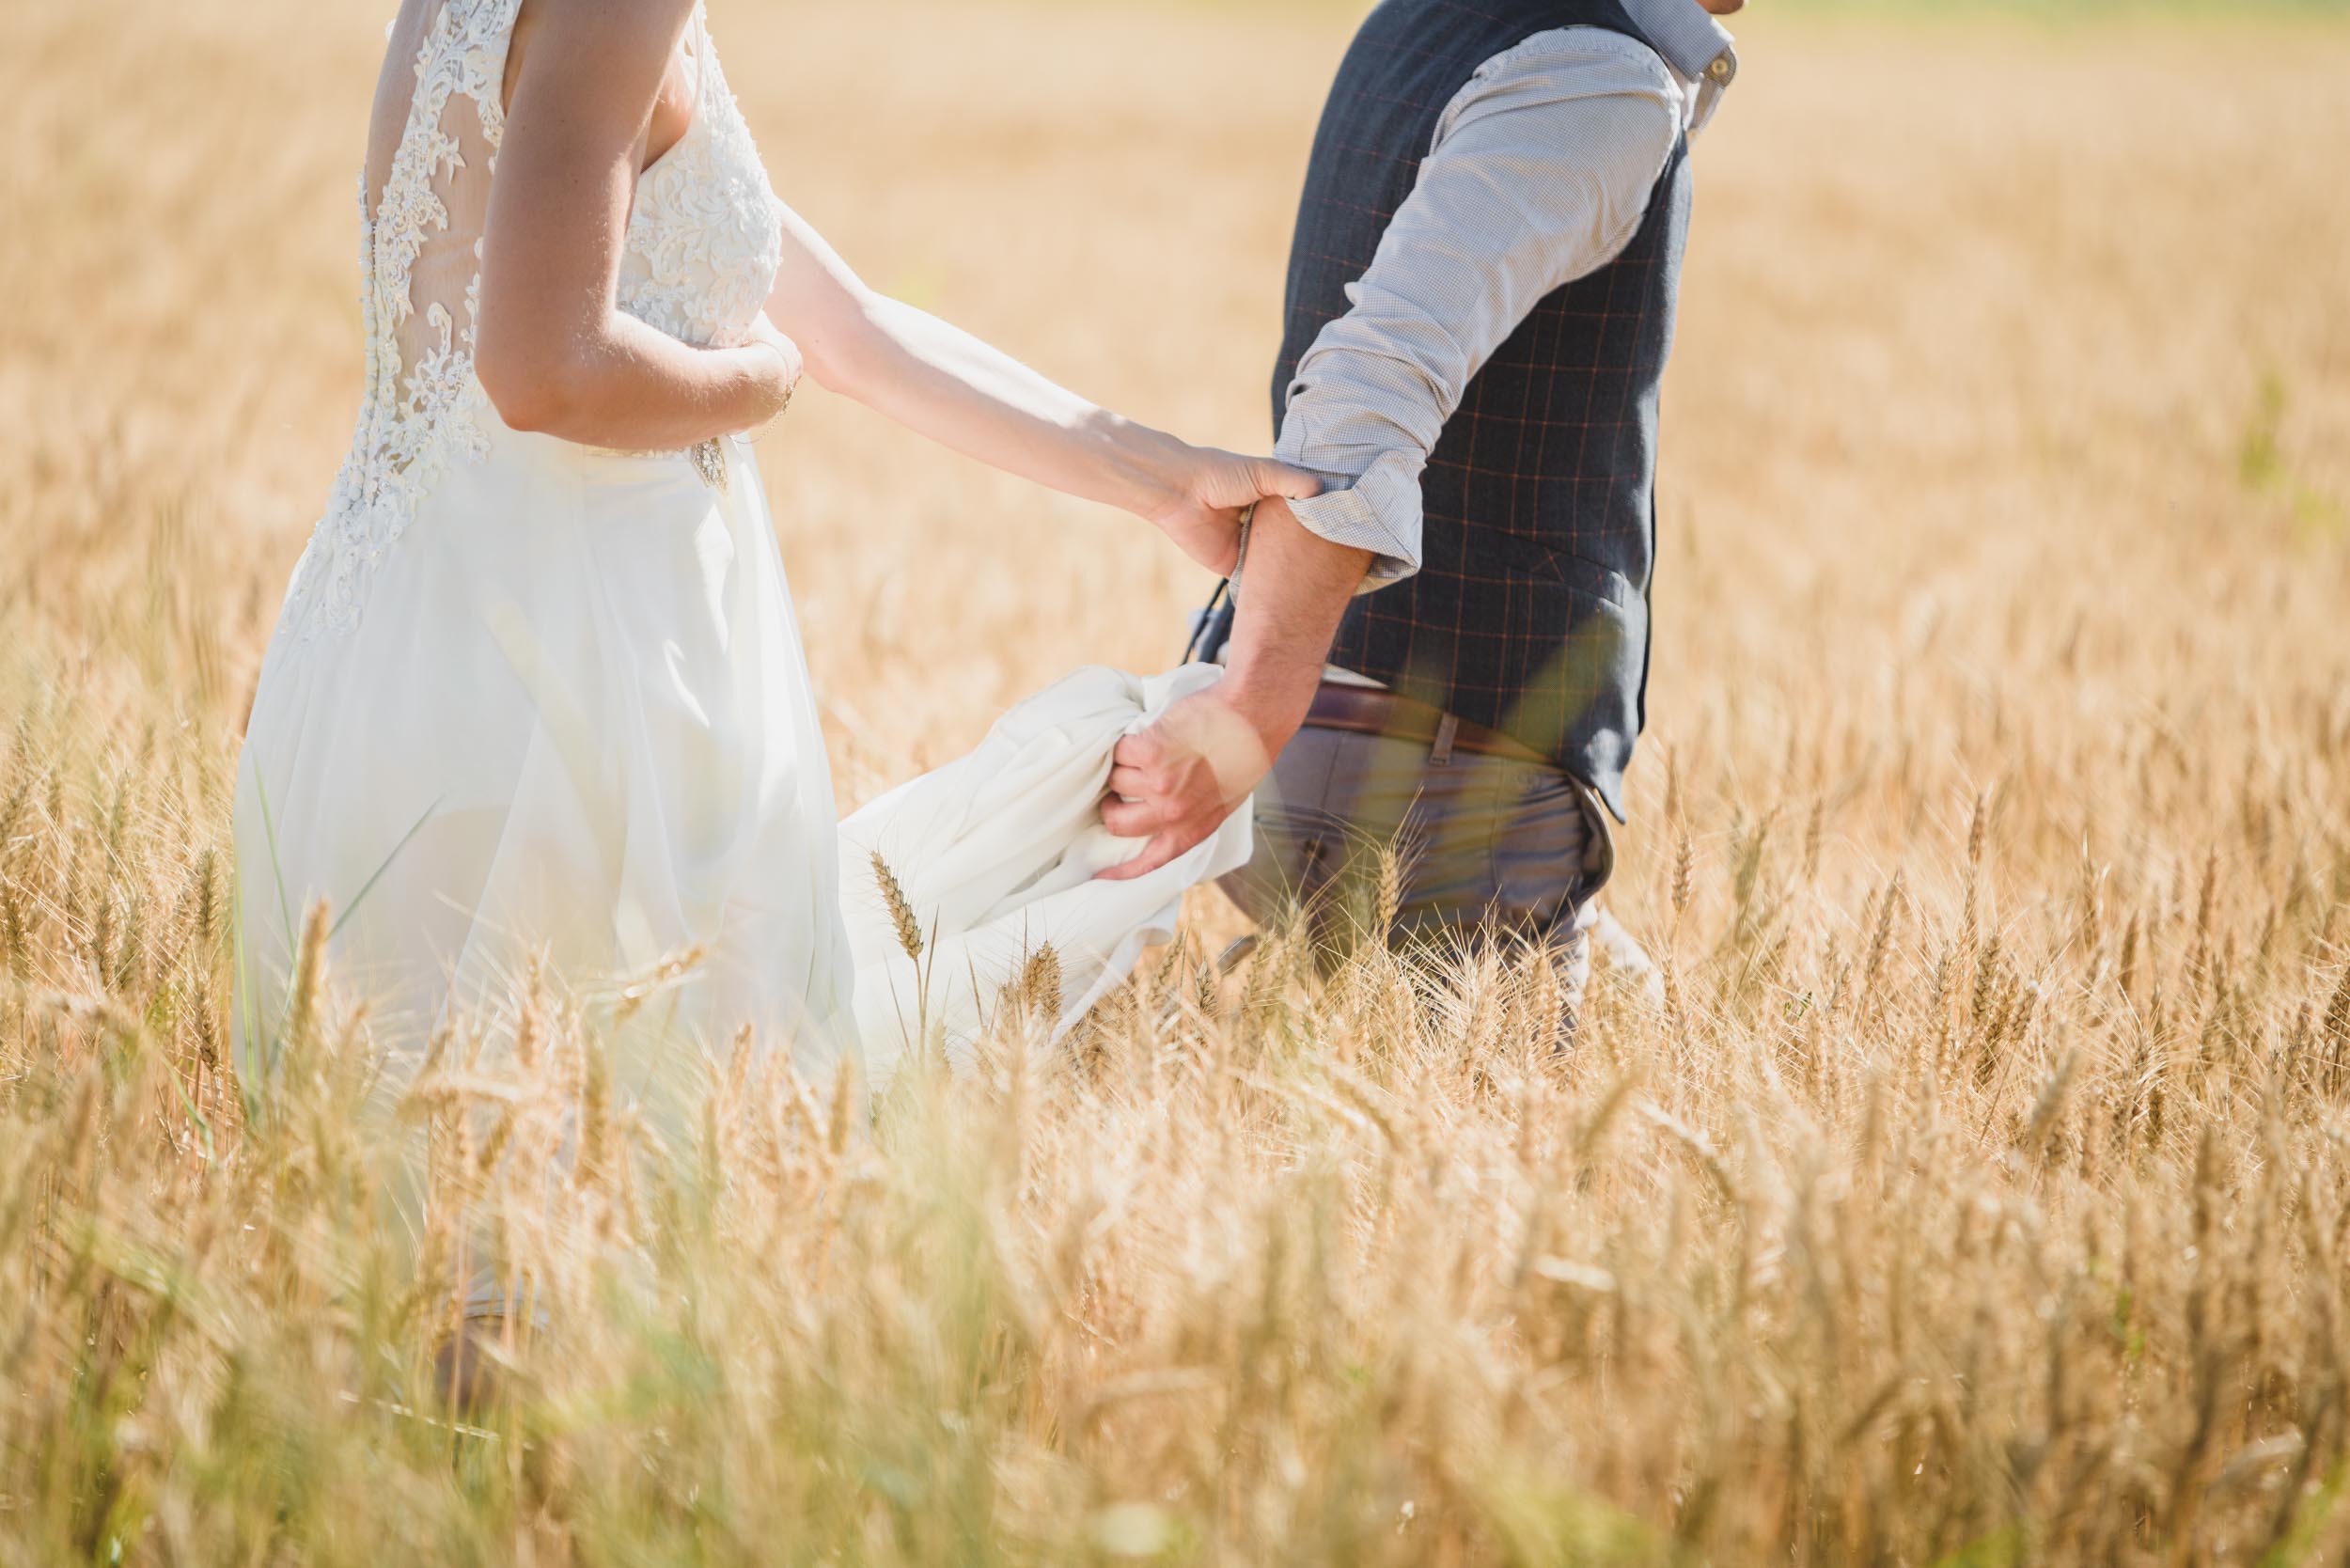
column 1156, row 471
column 776, row 384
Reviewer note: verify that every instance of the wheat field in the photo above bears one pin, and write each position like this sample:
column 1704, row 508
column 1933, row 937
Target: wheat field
column 1972, row 1191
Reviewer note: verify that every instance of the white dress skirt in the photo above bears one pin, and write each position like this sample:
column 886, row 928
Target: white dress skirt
column 586, row 738
column 573, row 726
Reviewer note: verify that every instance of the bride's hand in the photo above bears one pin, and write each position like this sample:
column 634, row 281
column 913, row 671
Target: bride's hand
column 778, row 371
column 1212, row 490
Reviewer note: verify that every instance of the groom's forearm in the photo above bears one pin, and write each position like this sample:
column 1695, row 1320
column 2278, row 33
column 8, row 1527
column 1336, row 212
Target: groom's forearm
column 1295, row 589
column 1175, row 782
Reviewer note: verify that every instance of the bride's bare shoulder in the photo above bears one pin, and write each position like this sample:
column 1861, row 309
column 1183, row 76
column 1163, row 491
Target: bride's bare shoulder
column 595, row 54
column 625, row 27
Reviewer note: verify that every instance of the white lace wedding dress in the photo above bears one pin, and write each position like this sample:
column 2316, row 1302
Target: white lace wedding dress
column 532, row 701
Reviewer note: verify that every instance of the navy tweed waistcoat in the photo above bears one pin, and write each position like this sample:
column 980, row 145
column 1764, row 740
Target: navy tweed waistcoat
column 1530, row 610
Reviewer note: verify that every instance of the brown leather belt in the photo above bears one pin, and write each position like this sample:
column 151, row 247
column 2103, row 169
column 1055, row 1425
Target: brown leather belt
column 1363, row 711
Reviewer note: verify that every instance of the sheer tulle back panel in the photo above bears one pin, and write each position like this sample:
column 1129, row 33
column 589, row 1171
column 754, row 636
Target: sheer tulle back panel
column 431, row 151
column 424, row 200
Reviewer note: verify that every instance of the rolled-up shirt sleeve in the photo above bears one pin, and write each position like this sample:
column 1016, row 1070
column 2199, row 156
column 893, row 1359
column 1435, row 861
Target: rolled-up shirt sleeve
column 1540, row 173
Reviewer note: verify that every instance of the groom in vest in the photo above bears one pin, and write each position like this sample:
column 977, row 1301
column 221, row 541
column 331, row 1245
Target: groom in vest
column 1447, row 650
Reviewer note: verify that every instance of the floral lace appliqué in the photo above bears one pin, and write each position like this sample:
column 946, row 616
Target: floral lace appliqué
column 418, row 416
column 705, row 238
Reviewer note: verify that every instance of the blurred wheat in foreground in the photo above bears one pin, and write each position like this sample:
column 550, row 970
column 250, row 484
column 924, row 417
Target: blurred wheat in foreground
column 1972, row 1191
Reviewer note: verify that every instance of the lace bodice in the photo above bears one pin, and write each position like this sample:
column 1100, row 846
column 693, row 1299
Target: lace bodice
column 704, row 239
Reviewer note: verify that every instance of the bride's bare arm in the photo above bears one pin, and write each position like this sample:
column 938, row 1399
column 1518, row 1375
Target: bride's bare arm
column 552, row 351
column 941, row 381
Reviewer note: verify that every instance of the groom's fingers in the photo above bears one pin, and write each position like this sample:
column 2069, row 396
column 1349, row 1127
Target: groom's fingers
column 1133, row 819
column 1161, row 850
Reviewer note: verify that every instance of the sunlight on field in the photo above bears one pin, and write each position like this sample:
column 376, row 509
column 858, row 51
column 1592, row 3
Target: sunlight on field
column 1974, row 1191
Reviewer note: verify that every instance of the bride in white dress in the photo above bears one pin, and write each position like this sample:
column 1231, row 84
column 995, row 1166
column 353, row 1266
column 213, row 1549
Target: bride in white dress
column 536, row 689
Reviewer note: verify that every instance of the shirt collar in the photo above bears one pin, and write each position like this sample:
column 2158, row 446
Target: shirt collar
column 1692, row 39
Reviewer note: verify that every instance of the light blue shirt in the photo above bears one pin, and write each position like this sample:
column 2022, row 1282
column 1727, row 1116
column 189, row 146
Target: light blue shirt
column 1541, row 173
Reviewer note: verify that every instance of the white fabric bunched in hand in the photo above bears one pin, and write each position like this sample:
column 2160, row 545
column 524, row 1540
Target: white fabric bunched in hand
column 996, row 855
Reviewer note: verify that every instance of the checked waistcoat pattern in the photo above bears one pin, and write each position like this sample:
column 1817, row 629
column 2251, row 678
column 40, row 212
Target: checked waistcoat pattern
column 1530, row 610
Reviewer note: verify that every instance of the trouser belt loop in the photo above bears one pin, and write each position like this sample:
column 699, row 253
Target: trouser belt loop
column 1448, row 729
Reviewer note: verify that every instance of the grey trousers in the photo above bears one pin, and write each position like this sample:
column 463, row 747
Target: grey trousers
column 1490, row 847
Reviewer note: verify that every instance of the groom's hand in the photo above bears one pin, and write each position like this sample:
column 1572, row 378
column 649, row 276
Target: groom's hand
column 1175, row 782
